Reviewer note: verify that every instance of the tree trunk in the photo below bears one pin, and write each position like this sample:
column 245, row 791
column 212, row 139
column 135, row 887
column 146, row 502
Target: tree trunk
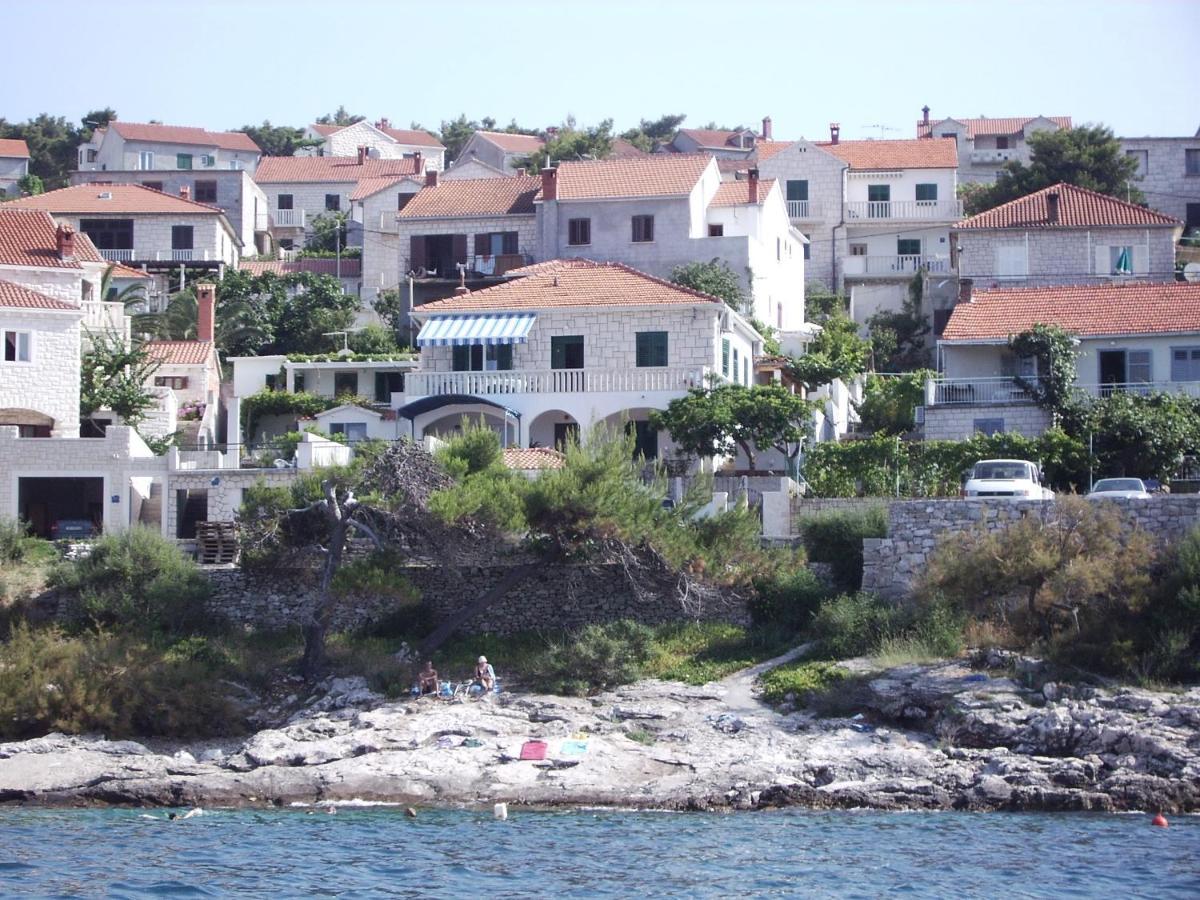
column 312, row 666
column 749, row 454
column 498, row 592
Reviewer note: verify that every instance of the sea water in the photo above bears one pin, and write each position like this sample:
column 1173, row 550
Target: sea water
column 583, row 853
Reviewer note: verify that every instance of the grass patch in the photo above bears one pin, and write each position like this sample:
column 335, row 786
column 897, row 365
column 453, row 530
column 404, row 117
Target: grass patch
column 801, row 680
column 700, row 652
column 642, row 736
column 906, row 650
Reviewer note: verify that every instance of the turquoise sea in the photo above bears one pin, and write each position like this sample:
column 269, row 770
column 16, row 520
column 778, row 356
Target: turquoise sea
column 449, row 853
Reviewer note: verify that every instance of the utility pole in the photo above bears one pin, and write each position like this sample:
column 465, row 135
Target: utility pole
column 337, row 237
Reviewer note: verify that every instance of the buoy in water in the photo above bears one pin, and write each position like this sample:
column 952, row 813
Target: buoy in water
column 410, row 812
column 1159, row 821
column 500, row 811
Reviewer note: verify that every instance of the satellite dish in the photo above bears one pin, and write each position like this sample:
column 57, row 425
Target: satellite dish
column 1191, row 272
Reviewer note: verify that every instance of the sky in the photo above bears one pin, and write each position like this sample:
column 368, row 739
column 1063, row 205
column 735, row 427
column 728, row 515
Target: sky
column 220, row 64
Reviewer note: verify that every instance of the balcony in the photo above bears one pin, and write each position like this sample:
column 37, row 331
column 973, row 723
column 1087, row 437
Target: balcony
column 125, row 255
column 552, row 381
column 904, row 210
column 993, row 156
column 477, row 266
column 183, row 256
column 894, row 266
column 804, row 209
column 1141, row 388
column 101, row 315
column 993, row 391
column 289, row 218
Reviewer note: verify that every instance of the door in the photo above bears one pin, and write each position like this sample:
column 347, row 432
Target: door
column 1193, row 215
column 565, row 433
column 879, row 198
column 1112, row 371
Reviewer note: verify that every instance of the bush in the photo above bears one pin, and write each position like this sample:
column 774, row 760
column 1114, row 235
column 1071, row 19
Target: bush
column 135, row 580
column 595, row 658
column 862, row 624
column 788, row 602
column 802, row 681
column 17, row 545
column 836, row 538
column 375, row 576
column 484, row 490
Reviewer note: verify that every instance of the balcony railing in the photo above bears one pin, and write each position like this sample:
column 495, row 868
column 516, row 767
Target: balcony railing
column 888, row 266
column 1141, row 388
column 477, row 266
column 948, row 210
column 183, row 255
column 552, row 381
column 100, row 315
column 993, row 156
column 125, row 255
column 804, row 209
column 1002, row 390
column 289, row 218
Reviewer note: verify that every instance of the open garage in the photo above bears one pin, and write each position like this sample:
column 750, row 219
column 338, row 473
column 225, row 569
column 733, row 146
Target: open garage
column 44, row 501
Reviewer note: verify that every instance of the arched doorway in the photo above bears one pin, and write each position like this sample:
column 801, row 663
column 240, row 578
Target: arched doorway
column 554, row 428
column 30, row 423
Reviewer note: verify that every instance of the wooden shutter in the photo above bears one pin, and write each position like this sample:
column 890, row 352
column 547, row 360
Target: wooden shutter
column 460, row 248
column 509, row 246
column 416, row 252
column 483, row 244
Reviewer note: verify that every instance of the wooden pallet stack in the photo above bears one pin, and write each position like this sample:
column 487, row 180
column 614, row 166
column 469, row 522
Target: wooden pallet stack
column 216, row 543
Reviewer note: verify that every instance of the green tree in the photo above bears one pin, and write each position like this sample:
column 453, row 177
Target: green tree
column 1141, row 436
column 1054, row 350
column 130, row 295
column 714, row 278
column 373, row 340
column 327, row 233
column 1088, row 156
column 391, row 306
column 236, row 324
column 898, row 338
column 571, row 142
column 114, row 377
column 889, row 402
column 653, row 133
column 97, row 118
column 279, row 140
column 53, row 146
column 339, row 117
column 837, row 352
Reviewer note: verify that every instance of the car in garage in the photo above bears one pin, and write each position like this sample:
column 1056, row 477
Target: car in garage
column 72, row 529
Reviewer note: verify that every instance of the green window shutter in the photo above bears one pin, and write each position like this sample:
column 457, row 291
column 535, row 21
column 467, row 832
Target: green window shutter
column 797, row 191
column 908, row 246
column 735, row 364
column 462, row 358
column 725, row 357
column 879, row 193
column 651, row 348
column 503, row 355
column 381, row 387
column 183, row 160
column 927, row 192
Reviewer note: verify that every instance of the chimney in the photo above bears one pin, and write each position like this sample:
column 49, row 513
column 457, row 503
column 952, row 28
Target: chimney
column 965, row 288
column 766, row 134
column 925, row 114
column 65, row 238
column 834, row 131
column 550, row 184
column 383, row 123
column 753, row 181
column 1052, row 206
column 206, row 311
column 431, row 178
column 362, row 155
column 418, row 162
column 461, row 290
column 185, row 192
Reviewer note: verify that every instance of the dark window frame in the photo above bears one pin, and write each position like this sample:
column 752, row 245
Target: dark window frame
column 579, row 232
column 567, row 351
column 651, row 349
column 642, row 229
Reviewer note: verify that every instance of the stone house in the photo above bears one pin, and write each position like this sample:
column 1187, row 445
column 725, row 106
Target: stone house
column 191, row 370
column 124, row 146
column 722, row 143
column 499, row 150
column 381, row 140
column 1132, row 337
column 1168, row 174
column 348, row 270
column 985, row 145
column 14, row 165
column 374, row 204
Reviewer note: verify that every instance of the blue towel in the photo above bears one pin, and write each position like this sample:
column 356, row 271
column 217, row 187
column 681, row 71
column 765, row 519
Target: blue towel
column 573, row 748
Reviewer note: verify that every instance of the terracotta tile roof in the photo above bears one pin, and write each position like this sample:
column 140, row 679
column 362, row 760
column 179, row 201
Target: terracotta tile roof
column 331, row 169
column 764, row 150
column 180, row 134
column 368, row 186
column 14, row 296
column 572, row 283
column 326, row 130
column 351, row 268
column 85, row 250
column 660, row 175
column 28, row 238
column 532, row 458
column 622, row 149
column 976, row 127
column 709, row 138
column 14, row 148
column 934, row 153
column 1084, row 310
column 1077, row 208
column 414, row 137
column 737, row 193
column 120, row 270
column 121, row 198
column 179, row 353
column 513, row 143
column 455, row 198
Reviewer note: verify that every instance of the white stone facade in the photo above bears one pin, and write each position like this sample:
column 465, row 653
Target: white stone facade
column 114, row 153
column 980, row 159
column 1163, row 175
column 406, row 229
column 12, row 170
column 958, row 422
column 213, row 239
column 381, row 247
column 346, row 141
column 49, row 382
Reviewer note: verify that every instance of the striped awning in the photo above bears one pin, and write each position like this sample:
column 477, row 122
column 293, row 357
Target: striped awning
column 481, row 329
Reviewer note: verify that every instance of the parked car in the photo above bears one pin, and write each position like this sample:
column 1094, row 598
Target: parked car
column 1009, row 479
column 72, row 529
column 1128, row 488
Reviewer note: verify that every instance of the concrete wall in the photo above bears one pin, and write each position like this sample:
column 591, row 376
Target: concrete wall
column 381, row 250
column 981, row 361
column 49, row 382
column 12, row 170
column 308, row 196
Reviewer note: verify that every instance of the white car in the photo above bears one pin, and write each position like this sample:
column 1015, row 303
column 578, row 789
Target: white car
column 1007, row 479
column 1126, row 488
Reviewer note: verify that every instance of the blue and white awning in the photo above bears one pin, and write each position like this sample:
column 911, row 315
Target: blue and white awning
column 511, row 328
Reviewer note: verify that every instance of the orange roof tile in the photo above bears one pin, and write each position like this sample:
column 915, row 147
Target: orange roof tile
column 977, row 127
column 368, row 186
column 468, row 197
column 14, row 148
column 28, row 237
column 572, row 283
column 181, row 134
column 513, row 143
column 350, row 268
column 659, row 175
column 179, row 353
column 532, row 458
column 934, row 153
column 1084, row 310
column 120, row 270
column 331, row 169
column 714, row 138
column 764, row 150
column 115, row 199
column 85, row 250
column 14, row 296
column 414, row 137
column 622, row 149
column 1077, row 208
column 737, row 193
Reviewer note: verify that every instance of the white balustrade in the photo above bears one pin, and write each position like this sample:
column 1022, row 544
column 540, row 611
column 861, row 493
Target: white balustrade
column 125, row 255
column 895, row 265
column 552, row 381
column 904, row 209
column 804, row 209
column 289, row 218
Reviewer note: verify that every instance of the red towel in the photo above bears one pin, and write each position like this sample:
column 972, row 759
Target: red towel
column 533, row 750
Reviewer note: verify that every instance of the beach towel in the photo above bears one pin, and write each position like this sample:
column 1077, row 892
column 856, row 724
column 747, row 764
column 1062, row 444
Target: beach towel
column 533, row 750
column 573, row 748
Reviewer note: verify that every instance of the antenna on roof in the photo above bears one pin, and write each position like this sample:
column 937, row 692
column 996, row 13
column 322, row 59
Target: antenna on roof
column 345, row 351
column 882, row 128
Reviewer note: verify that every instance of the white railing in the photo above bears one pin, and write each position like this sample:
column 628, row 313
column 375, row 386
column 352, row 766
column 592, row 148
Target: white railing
column 262, row 221
column 182, row 255
column 552, row 381
column 904, row 209
column 992, row 156
column 977, row 391
column 289, row 218
column 804, row 209
column 118, row 255
column 1141, row 388
column 895, row 265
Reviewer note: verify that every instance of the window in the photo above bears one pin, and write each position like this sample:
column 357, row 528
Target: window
column 566, row 351
column 879, row 201
column 643, row 229
column 1185, row 364
column 579, row 232
column 145, row 160
column 1142, row 158
column 287, row 244
column 651, row 349
column 297, row 382
column 345, row 383
column 746, row 370
column 206, row 192
column 926, row 193
column 989, row 427
column 272, row 382
column 797, row 191
column 91, row 155
column 940, row 318
column 716, row 230
column 208, row 161
column 1002, row 142
column 183, row 160
column 1120, row 260
column 736, row 364
column 109, row 234
column 496, row 243
column 182, row 237
column 153, row 185
column 1012, row 261
column 1139, row 366
column 858, row 249
column 908, row 246
column 236, row 165
column 284, row 201
column 478, row 358
column 951, row 134
column 333, row 202
column 354, row 431
column 386, row 384
column 174, row 382
column 565, row 434
column 16, row 346
column 1191, row 162
column 808, row 246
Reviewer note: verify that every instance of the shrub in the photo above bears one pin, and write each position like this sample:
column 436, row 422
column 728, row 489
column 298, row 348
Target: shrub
column 836, row 538
column 851, row 625
column 788, row 602
column 375, row 576
column 595, row 658
column 700, row 652
column 802, row 681
column 137, row 580
column 484, row 489
column 17, row 545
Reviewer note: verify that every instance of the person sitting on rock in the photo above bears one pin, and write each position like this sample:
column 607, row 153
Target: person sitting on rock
column 485, row 677
column 429, row 678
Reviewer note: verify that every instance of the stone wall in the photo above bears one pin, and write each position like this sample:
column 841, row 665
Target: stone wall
column 956, row 421
column 892, row 565
column 553, row 598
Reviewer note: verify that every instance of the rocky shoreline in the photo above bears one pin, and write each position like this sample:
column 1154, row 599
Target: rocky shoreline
column 943, row 736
